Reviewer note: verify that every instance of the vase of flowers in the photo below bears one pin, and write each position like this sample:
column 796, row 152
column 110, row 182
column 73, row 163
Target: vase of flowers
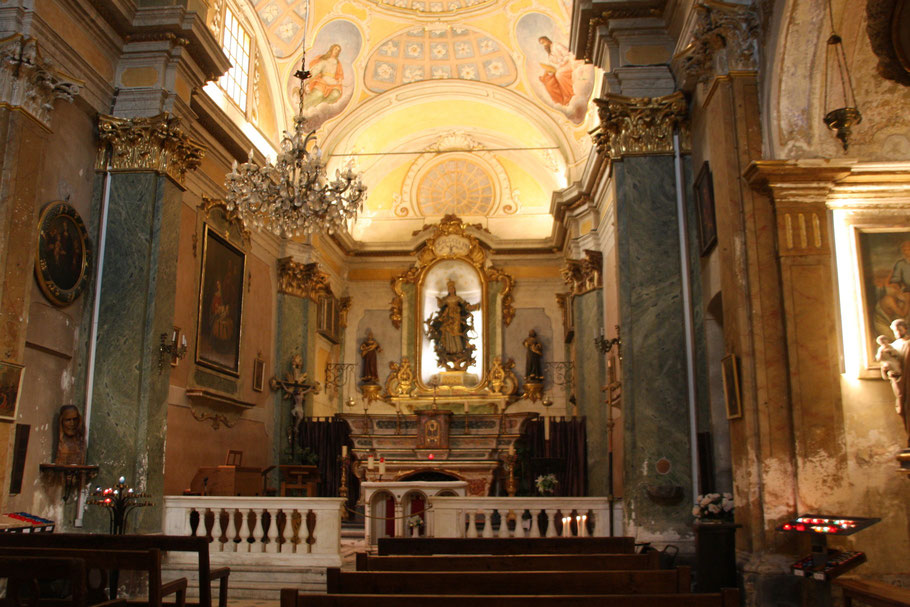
column 713, row 507
column 715, row 542
column 546, row 484
column 415, row 523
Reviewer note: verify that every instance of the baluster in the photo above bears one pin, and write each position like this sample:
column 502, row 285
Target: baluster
column 216, row 530
column 601, row 522
column 272, row 546
column 258, row 532
column 472, row 523
column 244, row 536
column 231, row 531
column 188, row 522
column 287, row 534
column 487, row 523
column 503, row 523
column 534, row 531
column 551, row 522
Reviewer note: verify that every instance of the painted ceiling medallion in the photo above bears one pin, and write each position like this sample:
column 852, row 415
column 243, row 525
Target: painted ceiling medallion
column 439, row 53
column 432, row 8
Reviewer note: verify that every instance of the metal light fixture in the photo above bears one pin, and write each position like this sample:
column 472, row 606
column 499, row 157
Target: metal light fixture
column 841, row 113
column 294, row 196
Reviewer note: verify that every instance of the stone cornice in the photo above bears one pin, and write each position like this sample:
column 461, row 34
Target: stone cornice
column 156, row 144
column 30, row 84
column 723, row 40
column 641, row 126
column 303, row 280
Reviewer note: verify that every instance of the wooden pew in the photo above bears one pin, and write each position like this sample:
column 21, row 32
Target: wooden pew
column 675, row 581
column 511, row 545
column 164, row 543
column 871, row 592
column 729, row 597
column 148, row 561
column 27, row 572
column 522, row 562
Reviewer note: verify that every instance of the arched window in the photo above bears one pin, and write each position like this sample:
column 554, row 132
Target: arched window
column 236, row 43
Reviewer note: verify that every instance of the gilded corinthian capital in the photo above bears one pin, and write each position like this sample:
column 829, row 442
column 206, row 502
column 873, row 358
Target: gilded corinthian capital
column 724, row 40
column 156, row 144
column 641, row 126
column 28, row 82
column 304, row 280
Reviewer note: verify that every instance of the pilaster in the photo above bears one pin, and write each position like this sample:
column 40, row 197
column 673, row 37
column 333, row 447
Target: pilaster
column 138, row 287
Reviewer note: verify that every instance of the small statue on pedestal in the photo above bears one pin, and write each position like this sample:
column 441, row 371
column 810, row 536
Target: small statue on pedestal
column 894, row 359
column 533, row 366
column 369, row 350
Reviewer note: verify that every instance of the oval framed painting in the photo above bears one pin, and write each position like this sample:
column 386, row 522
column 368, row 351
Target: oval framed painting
column 64, row 256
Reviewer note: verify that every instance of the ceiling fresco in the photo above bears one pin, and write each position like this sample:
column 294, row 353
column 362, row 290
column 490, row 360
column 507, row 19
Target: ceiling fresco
column 467, row 106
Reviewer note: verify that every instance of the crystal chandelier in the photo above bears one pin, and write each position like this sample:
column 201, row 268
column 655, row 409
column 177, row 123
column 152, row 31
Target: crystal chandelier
column 294, row 196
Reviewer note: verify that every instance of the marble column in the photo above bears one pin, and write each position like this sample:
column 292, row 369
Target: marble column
column 148, row 159
column 637, row 134
column 29, row 88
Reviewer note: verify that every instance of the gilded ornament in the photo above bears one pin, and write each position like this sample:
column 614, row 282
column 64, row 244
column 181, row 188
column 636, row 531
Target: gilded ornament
column 302, row 279
column 583, row 275
column 400, row 381
column 641, row 126
column 30, row 83
column 724, row 40
column 156, row 144
column 210, row 205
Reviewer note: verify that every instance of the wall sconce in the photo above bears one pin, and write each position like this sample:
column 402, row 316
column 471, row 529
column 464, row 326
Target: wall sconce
column 841, row 113
column 605, row 345
column 171, row 353
column 338, row 374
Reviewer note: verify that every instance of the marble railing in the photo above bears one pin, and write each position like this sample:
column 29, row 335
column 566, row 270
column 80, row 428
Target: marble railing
column 517, row 516
column 243, row 530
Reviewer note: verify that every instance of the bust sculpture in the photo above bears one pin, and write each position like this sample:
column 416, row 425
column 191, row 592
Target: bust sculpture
column 70, row 436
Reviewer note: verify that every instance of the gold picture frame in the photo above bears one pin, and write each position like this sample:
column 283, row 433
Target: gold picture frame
column 258, row 373
column 63, row 257
column 10, row 389
column 732, row 396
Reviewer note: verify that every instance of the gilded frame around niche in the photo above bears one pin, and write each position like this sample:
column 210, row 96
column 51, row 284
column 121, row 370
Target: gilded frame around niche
column 220, row 315
column 63, row 258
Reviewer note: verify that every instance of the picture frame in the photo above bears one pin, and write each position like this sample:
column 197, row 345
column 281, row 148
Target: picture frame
column 10, row 389
column 883, row 270
column 327, row 317
column 732, row 396
column 704, row 206
column 220, row 315
column 63, row 255
column 258, row 373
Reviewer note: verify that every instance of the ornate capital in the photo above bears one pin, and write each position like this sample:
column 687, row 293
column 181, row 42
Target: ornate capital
column 724, row 40
column 302, row 279
column 28, row 82
column 156, row 144
column 641, row 126
column 582, row 275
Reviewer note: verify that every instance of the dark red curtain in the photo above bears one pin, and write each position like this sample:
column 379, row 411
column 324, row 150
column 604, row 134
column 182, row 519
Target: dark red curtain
column 324, row 437
column 566, row 456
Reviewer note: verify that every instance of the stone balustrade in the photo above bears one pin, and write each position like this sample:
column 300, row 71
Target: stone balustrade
column 242, row 530
column 518, row 516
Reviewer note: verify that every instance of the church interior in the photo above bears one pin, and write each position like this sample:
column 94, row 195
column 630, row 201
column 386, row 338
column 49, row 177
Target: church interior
column 393, row 263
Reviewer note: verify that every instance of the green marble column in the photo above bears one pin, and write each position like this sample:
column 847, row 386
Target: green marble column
column 589, row 377
column 296, row 321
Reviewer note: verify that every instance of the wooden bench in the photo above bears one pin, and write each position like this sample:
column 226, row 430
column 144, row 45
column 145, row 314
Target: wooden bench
column 147, row 561
column 513, row 545
column 26, row 572
column 522, row 562
column 729, row 597
column 674, row 581
column 877, row 594
column 164, row 543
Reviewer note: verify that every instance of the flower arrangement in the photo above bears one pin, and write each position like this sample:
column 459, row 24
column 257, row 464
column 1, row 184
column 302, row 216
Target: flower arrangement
column 546, row 484
column 415, row 521
column 714, row 506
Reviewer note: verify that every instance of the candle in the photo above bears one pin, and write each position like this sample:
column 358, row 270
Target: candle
column 546, row 426
column 183, row 341
column 344, row 450
column 381, row 466
column 511, row 449
column 370, row 461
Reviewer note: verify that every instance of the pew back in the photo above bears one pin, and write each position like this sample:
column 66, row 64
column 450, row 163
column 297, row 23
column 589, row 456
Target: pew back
column 521, row 562
column 514, row 545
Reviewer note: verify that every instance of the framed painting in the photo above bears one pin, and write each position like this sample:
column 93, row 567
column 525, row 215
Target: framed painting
column 63, row 259
column 730, row 374
column 220, row 304
column 327, row 318
column 704, row 205
column 884, row 277
column 10, row 389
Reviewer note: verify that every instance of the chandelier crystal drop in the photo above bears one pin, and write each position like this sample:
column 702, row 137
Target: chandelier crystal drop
column 294, row 196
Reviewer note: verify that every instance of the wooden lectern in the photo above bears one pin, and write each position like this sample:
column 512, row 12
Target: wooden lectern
column 294, row 479
column 230, row 479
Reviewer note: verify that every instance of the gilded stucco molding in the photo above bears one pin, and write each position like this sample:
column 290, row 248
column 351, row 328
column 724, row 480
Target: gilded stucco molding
column 583, row 275
column 304, row 280
column 724, row 40
column 208, row 206
column 641, row 126
column 28, row 82
column 156, row 144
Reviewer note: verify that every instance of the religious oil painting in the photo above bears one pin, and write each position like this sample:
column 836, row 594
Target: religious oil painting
column 704, row 206
column 330, row 61
column 220, row 304
column 64, row 256
column 10, row 388
column 556, row 76
column 730, row 367
column 884, row 273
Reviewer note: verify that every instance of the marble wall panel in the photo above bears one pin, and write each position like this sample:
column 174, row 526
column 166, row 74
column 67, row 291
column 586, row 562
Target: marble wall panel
column 589, row 378
column 296, row 318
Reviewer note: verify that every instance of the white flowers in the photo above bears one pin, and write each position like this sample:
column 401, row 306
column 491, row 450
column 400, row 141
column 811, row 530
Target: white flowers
column 546, row 484
column 714, row 506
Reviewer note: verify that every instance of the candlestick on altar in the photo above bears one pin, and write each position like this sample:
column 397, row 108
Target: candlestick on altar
column 511, row 485
column 343, row 488
column 370, row 462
